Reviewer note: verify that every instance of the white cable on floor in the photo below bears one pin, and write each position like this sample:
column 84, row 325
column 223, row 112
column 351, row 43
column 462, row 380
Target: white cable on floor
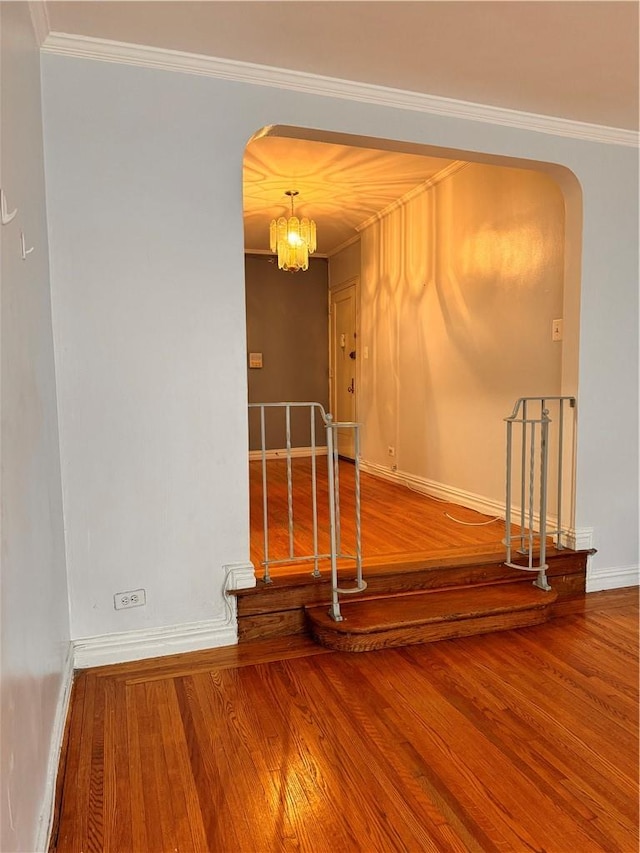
column 425, row 494
column 445, row 501
column 473, row 523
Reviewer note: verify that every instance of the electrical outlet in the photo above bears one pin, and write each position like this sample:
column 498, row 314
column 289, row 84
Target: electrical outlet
column 134, row 598
column 391, row 450
column 556, row 330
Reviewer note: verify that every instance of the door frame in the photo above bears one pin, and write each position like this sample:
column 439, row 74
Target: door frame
column 354, row 282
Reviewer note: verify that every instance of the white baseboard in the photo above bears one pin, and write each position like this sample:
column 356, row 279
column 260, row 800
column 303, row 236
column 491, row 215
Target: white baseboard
column 239, row 576
column 612, row 578
column 57, row 737
column 433, row 489
column 281, row 452
column 578, row 538
column 172, row 639
column 154, row 642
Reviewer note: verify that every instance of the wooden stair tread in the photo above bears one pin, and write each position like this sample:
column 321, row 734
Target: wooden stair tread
column 422, row 608
column 278, row 609
column 397, row 565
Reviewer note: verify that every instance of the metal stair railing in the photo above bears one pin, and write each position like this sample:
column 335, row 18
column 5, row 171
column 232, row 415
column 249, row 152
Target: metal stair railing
column 333, row 479
column 534, row 480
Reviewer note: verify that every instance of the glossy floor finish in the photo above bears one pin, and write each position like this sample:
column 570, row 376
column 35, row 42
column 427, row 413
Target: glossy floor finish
column 395, row 519
column 525, row 740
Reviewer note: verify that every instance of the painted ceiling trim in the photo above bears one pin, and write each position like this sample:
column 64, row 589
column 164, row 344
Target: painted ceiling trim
column 440, row 176
column 39, row 20
column 345, row 245
column 172, row 60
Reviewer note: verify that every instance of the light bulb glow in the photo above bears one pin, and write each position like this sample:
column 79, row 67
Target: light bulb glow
column 293, row 240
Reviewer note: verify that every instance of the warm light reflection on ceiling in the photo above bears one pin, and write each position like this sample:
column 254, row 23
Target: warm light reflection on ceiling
column 340, row 186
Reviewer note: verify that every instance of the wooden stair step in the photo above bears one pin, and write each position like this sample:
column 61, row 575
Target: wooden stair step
column 424, row 617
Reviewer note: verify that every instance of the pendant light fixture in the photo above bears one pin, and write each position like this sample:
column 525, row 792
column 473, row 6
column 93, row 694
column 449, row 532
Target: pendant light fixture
column 293, row 239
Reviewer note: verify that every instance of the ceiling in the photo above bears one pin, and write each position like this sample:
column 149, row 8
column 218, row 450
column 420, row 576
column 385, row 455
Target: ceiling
column 339, row 186
column 574, row 60
column 577, row 60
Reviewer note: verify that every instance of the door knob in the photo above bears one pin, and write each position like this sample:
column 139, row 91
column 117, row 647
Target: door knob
column 352, row 354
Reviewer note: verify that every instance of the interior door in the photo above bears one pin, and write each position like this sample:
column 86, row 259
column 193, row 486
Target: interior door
column 343, row 319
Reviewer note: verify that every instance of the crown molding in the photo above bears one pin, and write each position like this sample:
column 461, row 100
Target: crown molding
column 39, row 20
column 246, row 72
column 439, row 176
column 345, row 245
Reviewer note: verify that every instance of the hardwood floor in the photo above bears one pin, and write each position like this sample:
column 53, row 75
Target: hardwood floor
column 520, row 741
column 395, row 519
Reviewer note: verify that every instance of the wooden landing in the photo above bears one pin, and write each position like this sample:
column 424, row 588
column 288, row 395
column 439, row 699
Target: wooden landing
column 278, row 609
column 425, row 617
column 395, row 519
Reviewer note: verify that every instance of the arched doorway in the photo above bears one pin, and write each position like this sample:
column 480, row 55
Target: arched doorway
column 491, row 245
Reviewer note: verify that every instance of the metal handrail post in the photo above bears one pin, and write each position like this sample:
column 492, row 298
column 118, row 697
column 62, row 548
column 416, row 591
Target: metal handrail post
column 532, row 461
column 507, row 511
column 265, row 501
column 336, row 486
column 559, row 544
column 541, row 580
column 334, row 612
column 289, row 480
column 357, row 508
column 314, row 497
column 523, row 469
column 520, row 415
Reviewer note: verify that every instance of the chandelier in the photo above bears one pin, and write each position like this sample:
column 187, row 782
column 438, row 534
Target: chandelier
column 293, row 239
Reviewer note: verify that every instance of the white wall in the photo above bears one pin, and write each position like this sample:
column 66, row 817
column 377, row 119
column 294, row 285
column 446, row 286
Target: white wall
column 144, row 171
column 150, row 339
column 35, row 623
column 459, row 290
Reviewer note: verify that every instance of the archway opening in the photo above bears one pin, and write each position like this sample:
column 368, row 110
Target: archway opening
column 461, row 277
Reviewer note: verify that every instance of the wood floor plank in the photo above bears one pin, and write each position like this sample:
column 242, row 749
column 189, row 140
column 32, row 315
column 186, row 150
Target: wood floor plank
column 138, row 809
column 329, row 758
column 477, row 774
column 96, row 827
column 561, row 704
column 224, row 657
column 158, row 824
column 294, row 806
column 395, row 518
column 243, row 792
column 473, row 693
column 423, row 816
column 310, row 794
column 116, row 803
column 74, row 793
column 210, row 775
column 186, row 804
column 521, row 741
column 564, row 733
column 459, row 778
